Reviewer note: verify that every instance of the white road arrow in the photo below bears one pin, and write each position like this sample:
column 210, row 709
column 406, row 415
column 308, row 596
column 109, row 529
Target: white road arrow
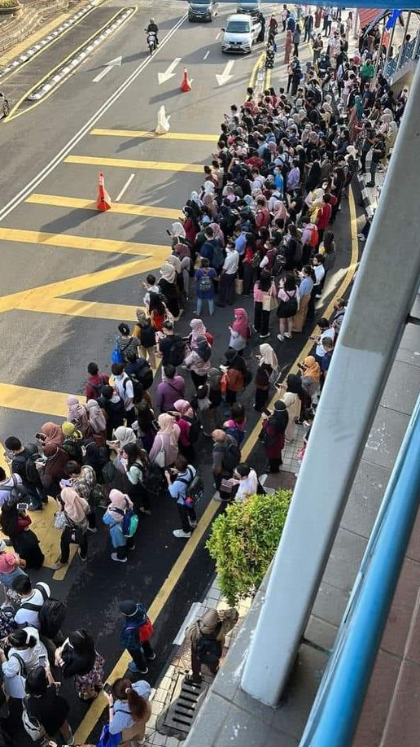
column 108, row 66
column 169, row 73
column 225, row 76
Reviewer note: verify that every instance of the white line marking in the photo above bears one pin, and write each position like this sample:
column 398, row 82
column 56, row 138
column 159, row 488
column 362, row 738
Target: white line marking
column 39, row 178
column 206, row 55
column 218, row 35
column 125, row 187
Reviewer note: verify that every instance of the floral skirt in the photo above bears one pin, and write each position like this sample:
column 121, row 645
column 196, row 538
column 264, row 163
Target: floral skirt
column 93, row 680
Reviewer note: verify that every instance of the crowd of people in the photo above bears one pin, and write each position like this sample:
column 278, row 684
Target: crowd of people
column 258, row 237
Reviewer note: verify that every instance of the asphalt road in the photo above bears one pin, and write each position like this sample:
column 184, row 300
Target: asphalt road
column 47, row 344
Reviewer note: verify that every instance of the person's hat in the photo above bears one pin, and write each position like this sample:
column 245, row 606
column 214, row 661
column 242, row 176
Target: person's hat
column 7, row 562
column 128, row 607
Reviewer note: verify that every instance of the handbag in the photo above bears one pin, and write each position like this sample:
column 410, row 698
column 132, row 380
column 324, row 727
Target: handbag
column 60, row 520
column 31, row 724
column 160, row 458
column 145, row 631
column 239, row 286
column 269, row 303
column 116, row 355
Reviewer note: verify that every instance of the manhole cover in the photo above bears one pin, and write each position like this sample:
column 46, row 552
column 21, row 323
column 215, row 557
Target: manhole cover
column 186, row 702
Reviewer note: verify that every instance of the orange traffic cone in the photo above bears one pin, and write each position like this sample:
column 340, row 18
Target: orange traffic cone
column 185, row 85
column 104, row 201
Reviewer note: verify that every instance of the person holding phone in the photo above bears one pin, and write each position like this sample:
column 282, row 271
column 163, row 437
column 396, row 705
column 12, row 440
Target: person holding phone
column 129, row 709
column 44, row 703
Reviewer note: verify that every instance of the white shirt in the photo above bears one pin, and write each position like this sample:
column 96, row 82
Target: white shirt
column 247, row 487
column 320, row 352
column 231, row 262
column 319, row 271
column 31, row 617
column 6, row 495
column 126, row 392
column 14, row 669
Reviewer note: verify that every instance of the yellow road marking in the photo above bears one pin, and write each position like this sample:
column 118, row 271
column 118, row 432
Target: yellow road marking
column 29, row 399
column 30, row 41
column 95, row 711
column 255, row 69
column 146, row 211
column 190, row 136
column 69, row 241
column 87, row 309
column 14, row 110
column 128, row 163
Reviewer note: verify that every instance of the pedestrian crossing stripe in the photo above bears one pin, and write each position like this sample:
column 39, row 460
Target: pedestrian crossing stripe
column 145, row 134
column 128, row 163
column 69, row 241
column 77, row 203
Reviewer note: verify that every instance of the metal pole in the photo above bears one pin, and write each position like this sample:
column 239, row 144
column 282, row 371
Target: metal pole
column 379, row 52
column 391, row 39
column 402, row 45
column 417, row 45
column 361, row 363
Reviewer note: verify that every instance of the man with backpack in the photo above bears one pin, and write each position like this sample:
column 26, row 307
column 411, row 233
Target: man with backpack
column 207, row 636
column 226, row 456
column 38, row 609
column 95, row 383
column 24, row 466
column 139, row 371
column 171, row 346
column 169, row 390
column 125, row 389
column 186, row 487
column 135, row 636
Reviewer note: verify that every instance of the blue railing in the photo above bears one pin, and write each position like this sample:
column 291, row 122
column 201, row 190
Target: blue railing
column 408, row 54
column 335, row 713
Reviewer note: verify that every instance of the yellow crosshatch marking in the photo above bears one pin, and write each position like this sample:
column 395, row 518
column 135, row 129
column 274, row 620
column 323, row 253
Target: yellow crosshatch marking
column 146, row 211
column 69, row 241
column 128, row 163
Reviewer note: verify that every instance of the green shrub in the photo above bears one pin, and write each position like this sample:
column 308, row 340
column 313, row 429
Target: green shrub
column 9, row 4
column 243, row 541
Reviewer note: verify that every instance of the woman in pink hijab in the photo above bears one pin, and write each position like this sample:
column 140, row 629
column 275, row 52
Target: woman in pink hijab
column 77, row 414
column 51, row 433
column 239, row 331
column 185, row 422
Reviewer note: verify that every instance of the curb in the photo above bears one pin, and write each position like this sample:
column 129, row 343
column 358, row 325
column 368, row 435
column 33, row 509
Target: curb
column 25, row 56
column 71, row 65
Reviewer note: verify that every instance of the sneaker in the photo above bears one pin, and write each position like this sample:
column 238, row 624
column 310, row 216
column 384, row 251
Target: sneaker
column 262, row 337
column 181, row 534
column 115, row 557
column 58, row 564
column 70, row 739
column 361, row 237
column 152, row 657
column 133, row 668
column 280, row 337
column 193, row 524
column 288, row 335
column 92, row 529
column 318, row 295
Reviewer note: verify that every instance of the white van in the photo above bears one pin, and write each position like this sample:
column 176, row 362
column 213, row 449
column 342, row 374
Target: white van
column 240, row 33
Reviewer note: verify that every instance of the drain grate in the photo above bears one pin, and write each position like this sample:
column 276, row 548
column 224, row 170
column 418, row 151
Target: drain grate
column 187, row 700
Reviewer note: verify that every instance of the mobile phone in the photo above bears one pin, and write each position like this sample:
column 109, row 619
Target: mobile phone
column 107, row 688
column 42, row 660
column 22, row 506
column 168, row 232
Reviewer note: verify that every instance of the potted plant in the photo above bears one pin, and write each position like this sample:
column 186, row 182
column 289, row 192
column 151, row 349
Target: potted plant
column 9, row 6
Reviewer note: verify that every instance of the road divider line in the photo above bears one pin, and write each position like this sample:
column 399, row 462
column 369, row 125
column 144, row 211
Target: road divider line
column 125, row 187
column 78, row 203
column 129, row 163
column 206, row 55
column 69, row 241
column 191, row 136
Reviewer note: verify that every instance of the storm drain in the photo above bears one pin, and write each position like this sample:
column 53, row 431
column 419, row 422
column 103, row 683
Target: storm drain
column 186, row 702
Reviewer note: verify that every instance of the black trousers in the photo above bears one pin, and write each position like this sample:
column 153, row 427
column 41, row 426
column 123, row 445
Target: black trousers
column 198, row 379
column 227, row 288
column 71, row 537
column 186, row 514
column 196, row 665
column 261, row 318
column 261, row 398
column 140, row 655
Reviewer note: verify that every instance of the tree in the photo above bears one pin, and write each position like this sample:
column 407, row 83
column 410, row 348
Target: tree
column 243, row 541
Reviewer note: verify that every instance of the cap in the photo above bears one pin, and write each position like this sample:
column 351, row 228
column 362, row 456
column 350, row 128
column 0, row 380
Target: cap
column 7, row 562
column 128, row 607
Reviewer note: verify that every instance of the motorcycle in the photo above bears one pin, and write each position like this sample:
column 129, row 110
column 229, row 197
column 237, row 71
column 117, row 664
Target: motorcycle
column 4, row 105
column 151, row 41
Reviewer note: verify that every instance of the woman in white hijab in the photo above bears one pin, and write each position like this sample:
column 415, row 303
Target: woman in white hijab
column 169, row 287
column 267, row 371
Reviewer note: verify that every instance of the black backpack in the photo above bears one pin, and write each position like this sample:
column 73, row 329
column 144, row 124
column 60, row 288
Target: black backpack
column 195, row 429
column 145, row 375
column 148, row 336
column 72, row 447
column 138, row 387
column 52, row 614
column 231, row 457
column 208, row 649
column 30, row 471
column 195, row 489
column 177, row 351
column 98, row 388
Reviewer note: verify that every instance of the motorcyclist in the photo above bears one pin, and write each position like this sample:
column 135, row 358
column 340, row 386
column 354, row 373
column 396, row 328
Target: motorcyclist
column 153, row 28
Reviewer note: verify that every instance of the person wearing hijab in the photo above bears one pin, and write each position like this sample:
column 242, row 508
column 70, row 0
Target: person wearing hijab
column 53, row 470
column 239, row 331
column 292, row 395
column 75, row 510
column 198, row 329
column 168, row 286
column 113, row 516
column 182, row 252
column 97, row 421
column 356, row 116
column 213, row 624
column 268, row 366
column 390, row 142
column 177, row 232
column 123, row 435
column 72, row 443
column 311, row 376
column 186, row 421
column 145, row 332
column 51, row 433
column 198, row 361
column 274, row 427
column 165, row 446
column 234, row 375
column 77, row 414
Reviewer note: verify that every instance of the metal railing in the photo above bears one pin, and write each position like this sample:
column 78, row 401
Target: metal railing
column 335, row 713
column 411, row 51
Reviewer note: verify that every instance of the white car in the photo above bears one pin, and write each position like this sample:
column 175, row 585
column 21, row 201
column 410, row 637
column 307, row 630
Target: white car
column 240, row 33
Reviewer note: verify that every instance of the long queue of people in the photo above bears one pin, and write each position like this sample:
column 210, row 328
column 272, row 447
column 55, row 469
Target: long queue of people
column 260, row 228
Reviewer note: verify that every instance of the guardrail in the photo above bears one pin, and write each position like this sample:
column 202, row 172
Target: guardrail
column 411, row 51
column 335, row 713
